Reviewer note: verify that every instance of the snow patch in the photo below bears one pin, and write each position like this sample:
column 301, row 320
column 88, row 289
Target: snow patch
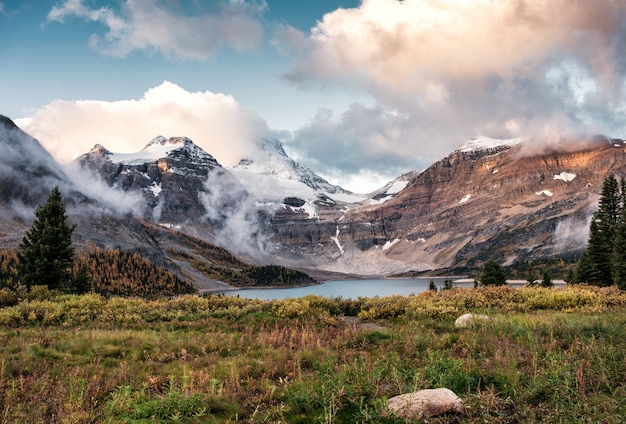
column 495, row 171
column 390, row 244
column 168, row 225
column 309, row 208
column 483, row 143
column 397, row 187
column 545, row 192
column 466, row 198
column 155, row 150
column 155, row 189
column 565, row 176
column 336, row 240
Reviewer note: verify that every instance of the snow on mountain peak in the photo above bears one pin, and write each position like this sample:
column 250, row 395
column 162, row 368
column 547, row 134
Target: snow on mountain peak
column 484, row 143
column 159, row 148
column 284, row 177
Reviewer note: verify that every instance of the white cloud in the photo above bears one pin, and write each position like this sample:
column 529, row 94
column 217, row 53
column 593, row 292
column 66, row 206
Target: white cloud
column 405, row 46
column 168, row 28
column 216, row 122
column 442, row 71
column 2, row 7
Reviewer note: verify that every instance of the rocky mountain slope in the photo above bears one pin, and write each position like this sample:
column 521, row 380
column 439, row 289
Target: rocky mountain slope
column 512, row 199
column 171, row 174
column 508, row 199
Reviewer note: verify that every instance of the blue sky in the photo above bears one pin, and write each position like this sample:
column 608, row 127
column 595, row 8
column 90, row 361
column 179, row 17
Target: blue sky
column 359, row 91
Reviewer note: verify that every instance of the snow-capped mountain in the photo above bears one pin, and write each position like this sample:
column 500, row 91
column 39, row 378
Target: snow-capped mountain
column 277, row 167
column 171, row 173
column 511, row 199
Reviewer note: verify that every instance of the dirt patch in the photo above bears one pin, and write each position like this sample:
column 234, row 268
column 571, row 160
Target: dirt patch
column 355, row 322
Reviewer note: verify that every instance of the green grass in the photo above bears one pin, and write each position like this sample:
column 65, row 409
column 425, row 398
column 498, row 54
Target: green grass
column 555, row 355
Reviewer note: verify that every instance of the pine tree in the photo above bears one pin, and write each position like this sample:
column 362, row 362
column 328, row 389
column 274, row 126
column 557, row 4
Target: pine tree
column 586, row 272
column 81, row 282
column 619, row 245
column 546, row 280
column 603, row 230
column 46, row 253
column 493, row 274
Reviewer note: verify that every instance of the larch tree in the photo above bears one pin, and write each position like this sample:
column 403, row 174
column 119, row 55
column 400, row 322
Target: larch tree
column 46, row 254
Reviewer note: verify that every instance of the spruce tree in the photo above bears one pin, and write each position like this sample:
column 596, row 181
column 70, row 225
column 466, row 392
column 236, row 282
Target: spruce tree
column 586, row 272
column 46, row 254
column 619, row 245
column 546, row 280
column 493, row 274
column 603, row 230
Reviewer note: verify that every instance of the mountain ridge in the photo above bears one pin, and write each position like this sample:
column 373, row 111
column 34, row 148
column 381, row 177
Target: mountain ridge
column 513, row 199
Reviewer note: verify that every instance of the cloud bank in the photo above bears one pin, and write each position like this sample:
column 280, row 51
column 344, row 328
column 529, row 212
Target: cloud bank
column 216, row 122
column 442, row 71
column 168, row 27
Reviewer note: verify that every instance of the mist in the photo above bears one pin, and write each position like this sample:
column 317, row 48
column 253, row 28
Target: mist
column 239, row 221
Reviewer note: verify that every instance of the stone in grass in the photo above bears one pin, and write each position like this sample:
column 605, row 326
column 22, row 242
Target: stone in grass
column 426, row 403
column 468, row 320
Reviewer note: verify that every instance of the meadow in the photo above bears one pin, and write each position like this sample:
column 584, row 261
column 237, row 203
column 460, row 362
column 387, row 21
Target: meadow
column 548, row 355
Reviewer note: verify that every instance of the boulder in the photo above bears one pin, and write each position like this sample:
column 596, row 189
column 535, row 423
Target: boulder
column 468, row 320
column 426, row 403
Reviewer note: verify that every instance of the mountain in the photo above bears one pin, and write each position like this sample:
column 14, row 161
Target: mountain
column 276, row 178
column 27, row 171
column 170, row 173
column 27, row 175
column 510, row 199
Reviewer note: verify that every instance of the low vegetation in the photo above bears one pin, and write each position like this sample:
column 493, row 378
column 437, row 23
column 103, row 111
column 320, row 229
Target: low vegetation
column 549, row 355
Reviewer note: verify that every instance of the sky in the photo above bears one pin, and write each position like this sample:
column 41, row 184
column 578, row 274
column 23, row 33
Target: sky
column 360, row 91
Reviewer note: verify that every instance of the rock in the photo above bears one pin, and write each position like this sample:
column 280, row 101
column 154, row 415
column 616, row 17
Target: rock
column 468, row 320
column 426, row 403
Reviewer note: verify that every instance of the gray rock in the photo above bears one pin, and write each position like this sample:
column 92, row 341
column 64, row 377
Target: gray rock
column 426, row 403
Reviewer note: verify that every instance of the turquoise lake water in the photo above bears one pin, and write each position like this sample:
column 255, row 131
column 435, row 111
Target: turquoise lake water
column 350, row 289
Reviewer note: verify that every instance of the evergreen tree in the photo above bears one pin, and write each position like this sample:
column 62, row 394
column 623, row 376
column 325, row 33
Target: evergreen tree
column 493, row 274
column 586, row 272
column 546, row 280
column 530, row 278
column 432, row 286
column 619, row 245
column 603, row 230
column 46, row 253
column 81, row 282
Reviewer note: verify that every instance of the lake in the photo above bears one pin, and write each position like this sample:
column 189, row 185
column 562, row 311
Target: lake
column 350, row 289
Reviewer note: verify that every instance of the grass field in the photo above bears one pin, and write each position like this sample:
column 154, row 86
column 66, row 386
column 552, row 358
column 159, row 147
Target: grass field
column 549, row 355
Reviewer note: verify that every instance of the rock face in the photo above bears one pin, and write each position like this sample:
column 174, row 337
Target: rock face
column 513, row 201
column 426, row 403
